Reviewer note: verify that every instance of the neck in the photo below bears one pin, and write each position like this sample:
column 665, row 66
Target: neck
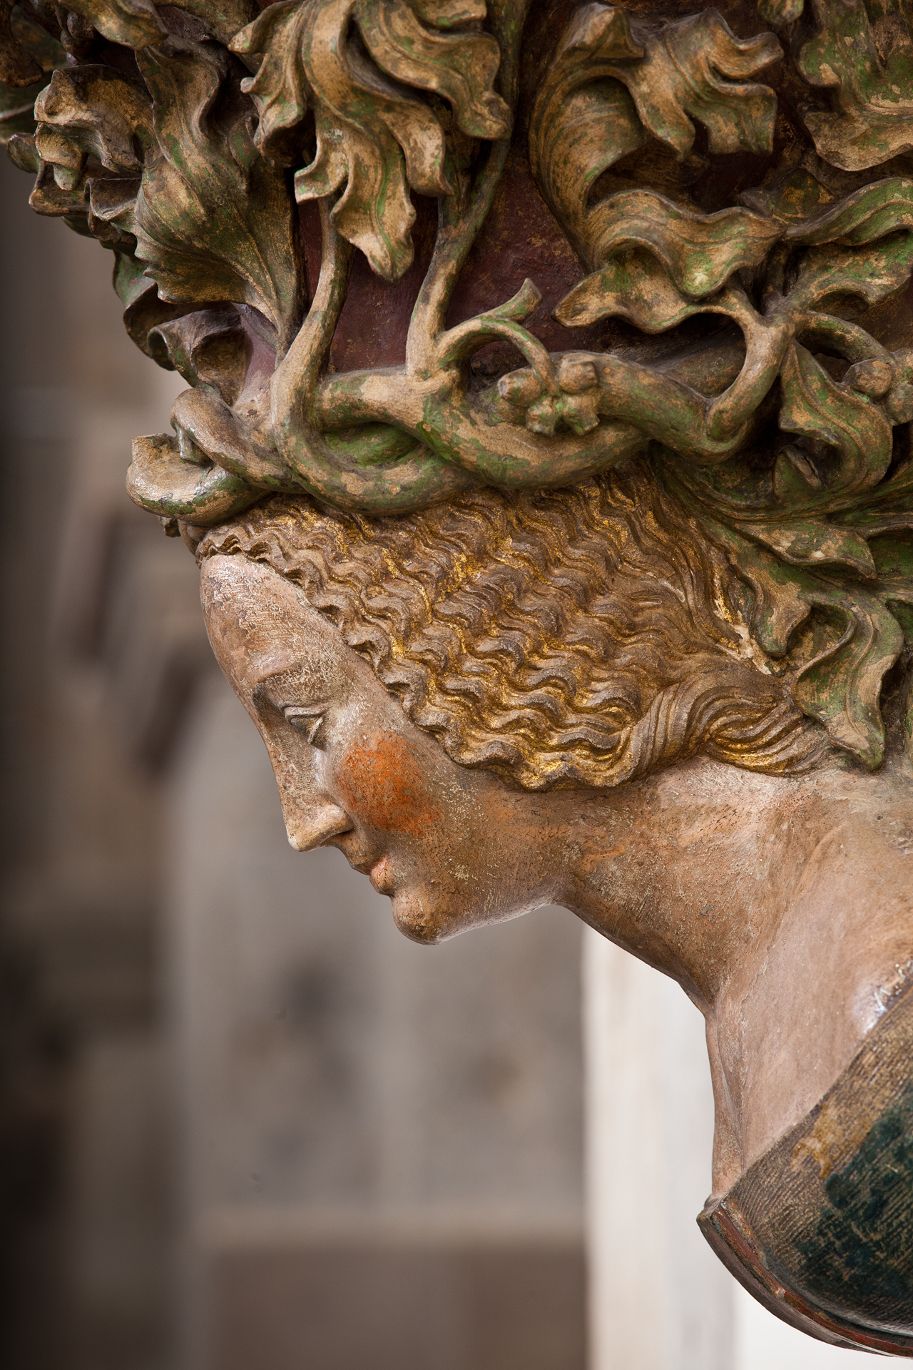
column 692, row 869
column 782, row 907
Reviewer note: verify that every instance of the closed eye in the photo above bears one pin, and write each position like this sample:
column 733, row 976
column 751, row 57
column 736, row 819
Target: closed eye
column 308, row 722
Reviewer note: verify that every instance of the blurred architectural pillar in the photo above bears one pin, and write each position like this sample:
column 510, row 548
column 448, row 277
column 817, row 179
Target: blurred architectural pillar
column 658, row 1297
column 84, row 1146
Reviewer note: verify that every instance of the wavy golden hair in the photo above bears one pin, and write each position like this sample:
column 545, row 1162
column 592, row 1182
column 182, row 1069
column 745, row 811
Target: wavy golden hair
column 580, row 636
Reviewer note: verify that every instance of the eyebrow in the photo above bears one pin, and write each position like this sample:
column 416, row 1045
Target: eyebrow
column 264, row 692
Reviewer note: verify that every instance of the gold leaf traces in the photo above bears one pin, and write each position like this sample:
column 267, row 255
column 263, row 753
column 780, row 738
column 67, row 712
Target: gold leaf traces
column 460, row 67
column 375, row 142
column 213, row 219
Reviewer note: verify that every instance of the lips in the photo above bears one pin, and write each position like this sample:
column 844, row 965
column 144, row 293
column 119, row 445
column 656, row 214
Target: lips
column 378, row 872
column 381, row 876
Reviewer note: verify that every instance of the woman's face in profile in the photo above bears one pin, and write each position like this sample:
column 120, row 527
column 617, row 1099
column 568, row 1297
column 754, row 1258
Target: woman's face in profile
column 451, row 846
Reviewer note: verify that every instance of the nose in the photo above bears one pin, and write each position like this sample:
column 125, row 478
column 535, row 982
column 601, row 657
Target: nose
column 313, row 825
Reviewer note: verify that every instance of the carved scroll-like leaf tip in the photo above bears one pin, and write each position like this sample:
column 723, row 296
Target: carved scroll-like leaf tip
column 460, row 67
column 134, row 23
column 598, row 33
column 693, row 257
column 279, row 87
column 862, row 217
column 697, row 71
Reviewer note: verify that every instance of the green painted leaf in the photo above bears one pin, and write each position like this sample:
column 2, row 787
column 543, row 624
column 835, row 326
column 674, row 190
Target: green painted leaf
column 868, row 214
column 213, row 219
column 695, row 73
column 870, row 274
column 841, row 685
column 616, row 79
column 376, row 142
column 863, row 52
column 460, row 67
column 699, row 251
column 279, row 88
column 815, row 406
column 631, row 286
column 806, row 542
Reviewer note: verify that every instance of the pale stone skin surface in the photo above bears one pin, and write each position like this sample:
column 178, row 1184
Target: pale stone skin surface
column 781, row 905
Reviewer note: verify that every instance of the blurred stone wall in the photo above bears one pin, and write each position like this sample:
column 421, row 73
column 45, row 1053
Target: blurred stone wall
column 244, row 1122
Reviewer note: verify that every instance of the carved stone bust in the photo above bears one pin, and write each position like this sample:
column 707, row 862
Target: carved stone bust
column 547, row 460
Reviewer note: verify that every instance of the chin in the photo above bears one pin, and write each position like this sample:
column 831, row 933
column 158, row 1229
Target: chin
column 417, row 918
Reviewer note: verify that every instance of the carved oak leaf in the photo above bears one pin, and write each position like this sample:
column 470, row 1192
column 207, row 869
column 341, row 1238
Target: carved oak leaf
column 864, row 53
column 696, row 70
column 144, row 310
column 460, row 67
column 698, row 251
column 101, row 116
column 138, row 23
column 450, row 14
column 815, row 406
column 92, row 125
column 827, row 274
column 817, row 603
column 374, row 141
column 614, row 81
column 870, row 213
column 280, row 90
column 632, row 286
column 862, row 247
column 841, row 685
column 134, row 23
column 213, row 219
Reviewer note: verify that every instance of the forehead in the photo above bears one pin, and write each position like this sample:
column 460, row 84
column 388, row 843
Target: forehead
column 261, row 625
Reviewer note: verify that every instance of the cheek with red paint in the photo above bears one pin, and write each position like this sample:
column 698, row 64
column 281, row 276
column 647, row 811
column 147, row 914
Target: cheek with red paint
column 382, row 785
